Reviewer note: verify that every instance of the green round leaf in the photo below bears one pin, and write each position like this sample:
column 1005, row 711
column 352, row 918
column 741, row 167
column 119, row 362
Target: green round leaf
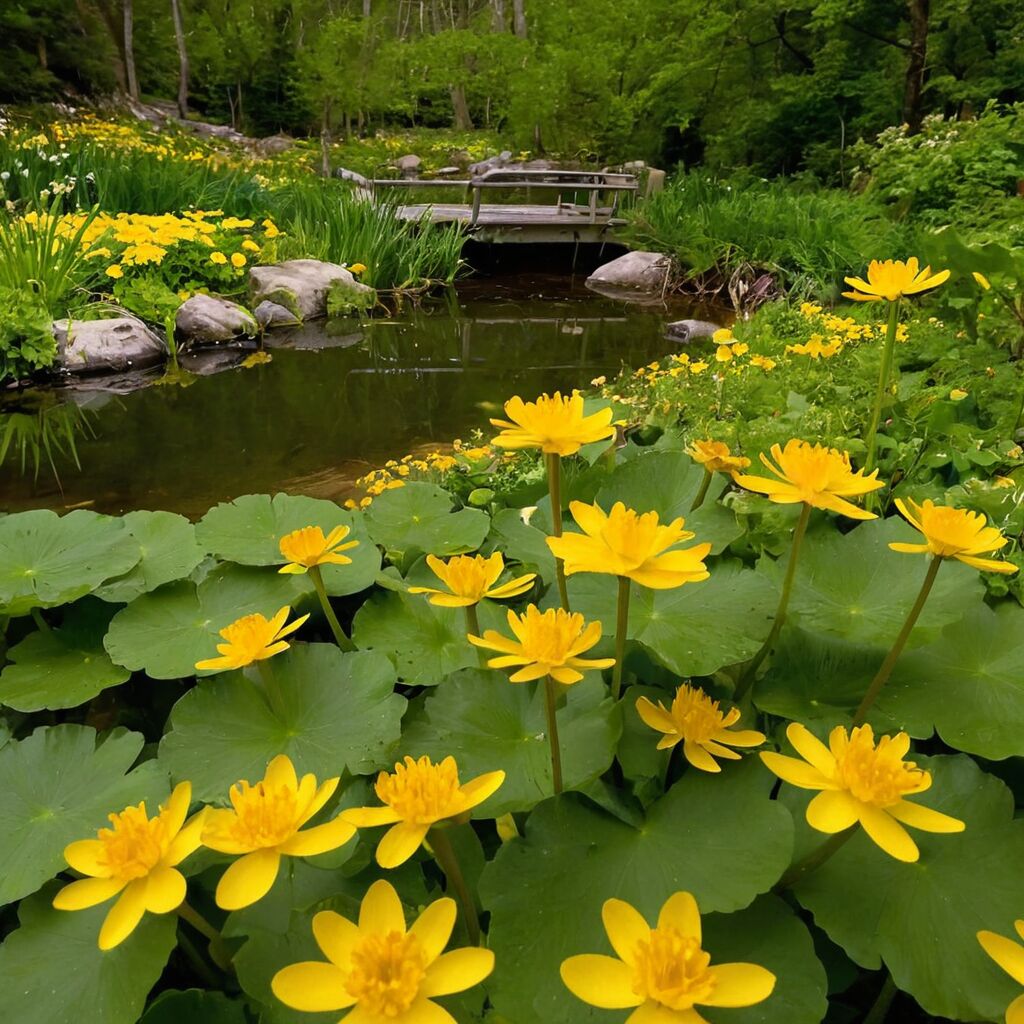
column 165, row 633
column 249, row 529
column 196, row 1006
column 334, row 711
column 46, row 559
column 62, row 668
column 489, row 723
column 522, row 542
column 169, row 552
column 59, row 785
column 921, row 919
column 545, row 890
column 53, row 972
column 419, row 516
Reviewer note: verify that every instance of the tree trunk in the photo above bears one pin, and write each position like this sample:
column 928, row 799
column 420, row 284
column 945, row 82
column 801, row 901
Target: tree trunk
column 179, row 38
column 367, row 8
column 325, row 141
column 115, row 29
column 463, row 121
column 918, row 12
column 129, row 48
column 519, row 18
column 44, row 60
column 498, row 15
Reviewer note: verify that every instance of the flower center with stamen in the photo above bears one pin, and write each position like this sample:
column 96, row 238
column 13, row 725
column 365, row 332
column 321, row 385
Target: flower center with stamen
column 420, row 791
column 249, row 635
column 304, row 546
column 386, row 973
column 467, row 577
column 265, row 815
column 696, row 716
column 672, row 969
column 135, row 844
column 876, row 775
column 815, row 468
column 949, row 530
column 549, row 637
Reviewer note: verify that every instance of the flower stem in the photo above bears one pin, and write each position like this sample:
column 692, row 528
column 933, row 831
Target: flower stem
column 444, row 854
column 885, row 372
column 219, row 952
column 897, row 648
column 554, row 466
column 473, row 629
column 41, row 623
column 703, row 492
column 880, row 1008
column 550, row 694
column 271, row 689
column 780, row 613
column 621, row 626
column 325, row 602
column 803, row 867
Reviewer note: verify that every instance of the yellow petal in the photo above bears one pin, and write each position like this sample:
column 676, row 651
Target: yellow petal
column 456, row 971
column 832, row 811
column 370, row 817
column 124, row 915
column 600, row 980
column 336, row 936
column 165, row 890
column 699, row 757
column 1007, row 953
column 87, row 893
column 400, row 842
column 187, row 841
column 319, row 839
column 381, row 909
column 888, row 833
column 176, row 809
column 796, row 773
column 987, row 564
column 625, row 927
column 323, row 793
column 811, row 749
column 924, row 818
column 86, row 857
column 655, row 1013
column 281, row 771
column 739, row 985
column 248, row 879
column 654, row 715
column 434, row 927
column 1015, row 1011
column 680, row 912
column 312, row 987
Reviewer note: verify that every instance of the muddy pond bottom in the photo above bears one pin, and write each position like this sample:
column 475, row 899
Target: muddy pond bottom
column 335, row 400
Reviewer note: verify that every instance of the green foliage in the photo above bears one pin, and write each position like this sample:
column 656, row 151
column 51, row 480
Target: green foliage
column 27, row 344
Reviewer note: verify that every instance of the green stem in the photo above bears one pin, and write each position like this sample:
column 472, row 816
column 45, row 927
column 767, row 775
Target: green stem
column 340, row 638
column 885, row 372
column 880, row 1008
column 444, row 854
column 621, row 626
column 780, row 613
column 271, row 689
column 609, row 455
column 218, row 949
column 1020, row 414
column 199, row 965
column 803, row 867
column 703, row 492
column 897, row 648
column 473, row 629
column 41, row 623
column 550, row 695
column 554, row 467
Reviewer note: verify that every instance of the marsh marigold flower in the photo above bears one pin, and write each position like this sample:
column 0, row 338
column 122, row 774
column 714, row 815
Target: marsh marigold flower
column 893, row 280
column 417, row 795
column 471, row 578
column 546, row 644
column 308, row 547
column 861, row 781
column 263, row 825
column 114, row 271
column 715, row 457
column 817, row 348
column 982, row 280
column 238, row 260
column 138, row 857
column 554, row 424
column 1010, row 956
column 626, row 543
column 703, row 728
column 218, row 257
column 818, row 476
column 953, row 533
column 252, row 638
column 662, row 971
column 380, row 969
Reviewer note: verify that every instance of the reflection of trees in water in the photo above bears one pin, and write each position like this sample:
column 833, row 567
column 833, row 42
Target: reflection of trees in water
column 44, row 428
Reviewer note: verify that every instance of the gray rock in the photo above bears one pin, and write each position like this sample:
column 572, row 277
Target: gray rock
column 685, row 331
column 409, row 165
column 446, row 172
column 205, row 320
column 106, row 346
column 273, row 144
column 491, row 163
column 645, row 272
column 354, row 176
column 270, row 314
column 301, row 286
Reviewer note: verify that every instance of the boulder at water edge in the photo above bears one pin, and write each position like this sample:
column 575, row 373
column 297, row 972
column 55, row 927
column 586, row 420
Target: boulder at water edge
column 106, row 346
column 301, row 286
column 645, row 272
column 685, row 331
column 270, row 314
column 205, row 320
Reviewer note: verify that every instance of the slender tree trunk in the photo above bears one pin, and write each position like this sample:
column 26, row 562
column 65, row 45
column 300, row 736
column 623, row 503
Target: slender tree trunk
column 498, row 15
column 128, row 11
column 519, row 17
column 44, row 60
column 367, row 8
column 179, row 38
column 460, row 109
column 918, row 12
column 115, row 29
column 325, row 141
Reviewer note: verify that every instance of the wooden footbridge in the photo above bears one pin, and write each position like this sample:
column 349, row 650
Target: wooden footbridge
column 582, row 206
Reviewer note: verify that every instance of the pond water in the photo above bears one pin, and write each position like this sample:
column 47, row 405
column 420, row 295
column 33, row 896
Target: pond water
column 334, row 401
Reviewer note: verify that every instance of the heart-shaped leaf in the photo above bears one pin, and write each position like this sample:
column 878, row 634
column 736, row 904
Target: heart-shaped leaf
column 419, row 516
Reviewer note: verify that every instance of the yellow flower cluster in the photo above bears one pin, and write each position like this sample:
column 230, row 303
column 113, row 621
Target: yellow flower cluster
column 834, row 332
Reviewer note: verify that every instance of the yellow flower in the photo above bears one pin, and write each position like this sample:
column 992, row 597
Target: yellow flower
column 715, row 457
column 704, row 730
column 383, row 971
column 763, row 362
column 237, row 260
column 893, row 280
column 624, row 543
column 250, row 245
column 357, row 268
column 953, row 533
column 723, row 336
column 230, row 223
column 137, row 857
column 218, row 257
column 114, row 271
column 816, row 347
column 819, row 476
column 308, row 547
column 416, row 796
column 547, row 644
column 1010, row 956
column 809, row 309
column 698, row 368
column 861, row 782
column 263, row 825
column 471, row 578
column 252, row 638
column 723, row 353
column 552, row 423
column 984, row 282
column 663, row 971
column 270, row 229
column 957, row 395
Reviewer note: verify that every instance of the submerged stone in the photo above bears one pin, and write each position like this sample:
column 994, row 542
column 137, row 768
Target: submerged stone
column 690, row 330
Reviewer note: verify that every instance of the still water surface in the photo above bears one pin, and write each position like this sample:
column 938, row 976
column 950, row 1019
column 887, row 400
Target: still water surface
column 334, row 402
